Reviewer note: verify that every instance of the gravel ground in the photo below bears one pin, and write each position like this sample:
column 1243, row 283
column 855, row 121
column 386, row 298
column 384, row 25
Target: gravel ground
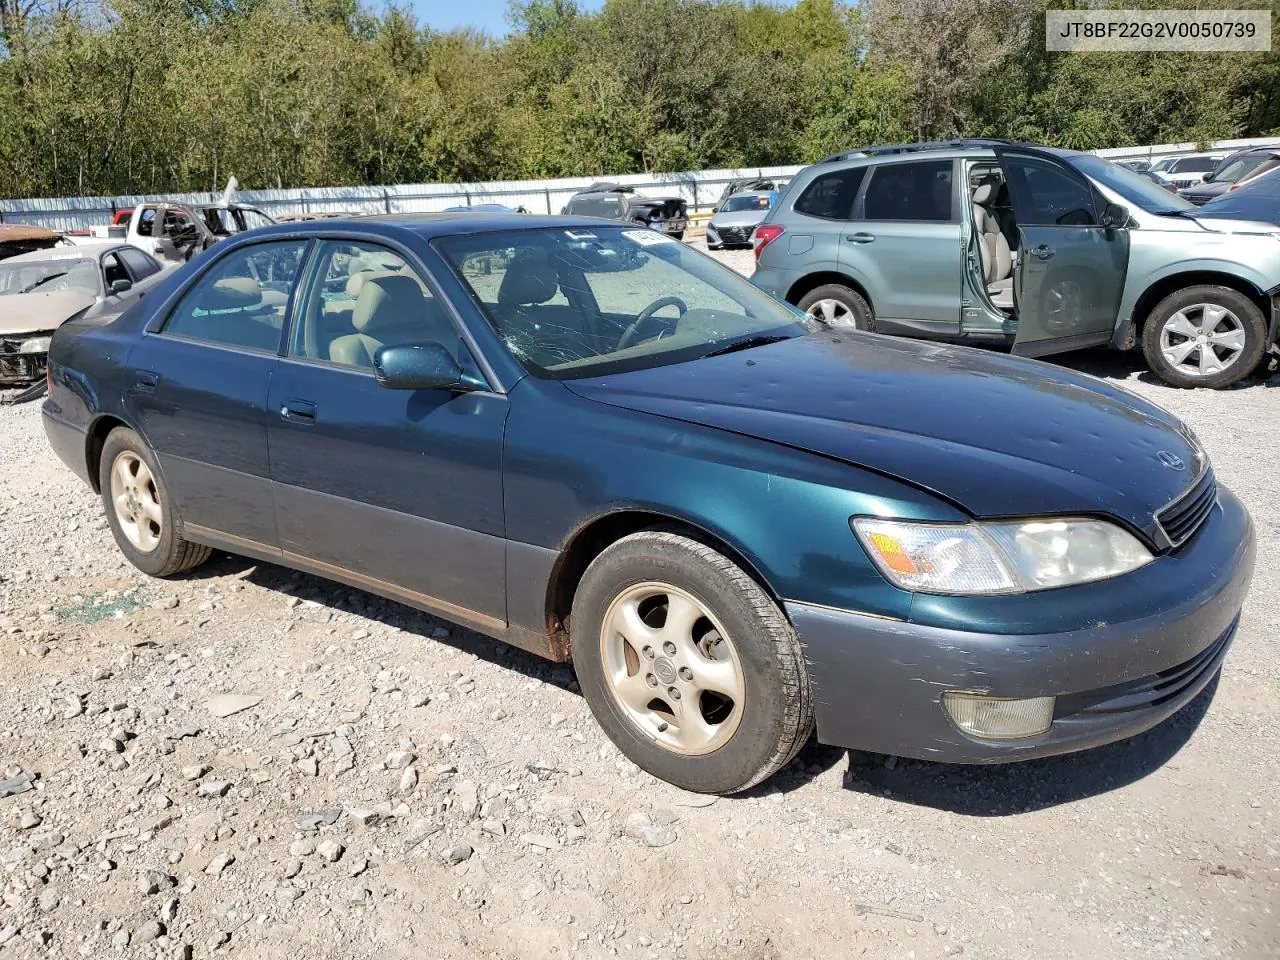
column 252, row 763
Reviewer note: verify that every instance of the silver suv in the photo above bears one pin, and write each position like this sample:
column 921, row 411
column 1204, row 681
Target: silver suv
column 1036, row 249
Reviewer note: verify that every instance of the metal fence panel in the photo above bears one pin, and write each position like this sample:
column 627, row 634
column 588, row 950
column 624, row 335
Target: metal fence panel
column 700, row 189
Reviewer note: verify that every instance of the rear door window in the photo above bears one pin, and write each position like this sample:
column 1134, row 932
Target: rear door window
column 241, row 300
column 921, row 191
column 139, row 264
column 831, row 195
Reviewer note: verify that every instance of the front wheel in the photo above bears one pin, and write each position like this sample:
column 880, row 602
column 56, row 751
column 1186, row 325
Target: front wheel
column 1204, row 336
column 688, row 665
column 139, row 510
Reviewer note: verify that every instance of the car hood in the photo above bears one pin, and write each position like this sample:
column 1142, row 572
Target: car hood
column 38, row 312
column 738, row 218
column 998, row 436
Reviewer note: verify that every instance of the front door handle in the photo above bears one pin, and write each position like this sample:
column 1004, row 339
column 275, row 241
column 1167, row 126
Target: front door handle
column 298, row 411
column 147, row 381
column 860, row 237
column 1042, row 252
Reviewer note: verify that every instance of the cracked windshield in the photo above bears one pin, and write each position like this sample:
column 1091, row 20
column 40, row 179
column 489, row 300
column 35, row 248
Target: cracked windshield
column 581, row 302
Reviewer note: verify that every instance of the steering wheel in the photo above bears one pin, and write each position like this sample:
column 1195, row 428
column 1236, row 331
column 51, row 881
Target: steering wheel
column 631, row 334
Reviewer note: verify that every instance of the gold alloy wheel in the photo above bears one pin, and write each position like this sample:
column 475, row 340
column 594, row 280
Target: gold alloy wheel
column 133, row 494
column 672, row 668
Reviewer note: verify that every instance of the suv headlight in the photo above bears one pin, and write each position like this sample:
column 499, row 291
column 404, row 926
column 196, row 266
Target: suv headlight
column 992, row 558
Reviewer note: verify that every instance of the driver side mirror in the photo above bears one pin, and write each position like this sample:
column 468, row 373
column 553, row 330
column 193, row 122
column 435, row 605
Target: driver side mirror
column 121, row 285
column 1114, row 216
column 421, row 366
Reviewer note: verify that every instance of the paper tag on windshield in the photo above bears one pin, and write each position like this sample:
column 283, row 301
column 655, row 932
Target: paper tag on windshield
column 646, row 238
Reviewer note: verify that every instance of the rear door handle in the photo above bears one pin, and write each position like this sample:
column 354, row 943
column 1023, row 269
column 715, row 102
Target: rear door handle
column 147, row 381
column 860, row 237
column 1042, row 252
column 299, row 411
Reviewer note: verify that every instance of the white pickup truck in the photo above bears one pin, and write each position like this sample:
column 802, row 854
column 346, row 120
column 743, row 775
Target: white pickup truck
column 178, row 231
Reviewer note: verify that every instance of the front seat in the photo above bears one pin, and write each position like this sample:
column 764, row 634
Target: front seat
column 997, row 261
column 530, row 280
column 390, row 309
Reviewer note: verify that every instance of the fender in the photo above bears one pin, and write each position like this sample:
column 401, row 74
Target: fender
column 1135, row 287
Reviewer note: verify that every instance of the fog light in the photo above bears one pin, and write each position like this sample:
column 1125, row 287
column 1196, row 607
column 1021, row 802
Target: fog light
column 995, row 718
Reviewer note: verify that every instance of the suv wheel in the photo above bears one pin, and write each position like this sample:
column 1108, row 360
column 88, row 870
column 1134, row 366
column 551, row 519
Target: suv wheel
column 839, row 307
column 688, row 665
column 1204, row 336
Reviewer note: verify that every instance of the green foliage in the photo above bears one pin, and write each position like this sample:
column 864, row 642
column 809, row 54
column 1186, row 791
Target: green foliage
column 135, row 96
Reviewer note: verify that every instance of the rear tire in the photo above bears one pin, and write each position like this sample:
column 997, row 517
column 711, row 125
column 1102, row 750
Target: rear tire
column 839, row 307
column 139, row 510
column 1204, row 336
column 714, row 701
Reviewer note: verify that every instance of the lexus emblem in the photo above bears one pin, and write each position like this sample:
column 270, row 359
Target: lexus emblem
column 1171, row 460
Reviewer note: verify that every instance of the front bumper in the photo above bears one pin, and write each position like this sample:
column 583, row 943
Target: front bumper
column 878, row 683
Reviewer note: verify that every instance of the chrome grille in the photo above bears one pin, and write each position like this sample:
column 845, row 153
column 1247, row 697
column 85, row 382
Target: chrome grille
column 1182, row 518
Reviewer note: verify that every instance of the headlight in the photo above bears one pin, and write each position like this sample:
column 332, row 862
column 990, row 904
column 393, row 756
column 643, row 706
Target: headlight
column 991, row 558
column 35, row 345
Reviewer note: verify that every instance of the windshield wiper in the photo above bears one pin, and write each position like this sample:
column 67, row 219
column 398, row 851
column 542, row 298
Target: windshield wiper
column 52, row 276
column 746, row 343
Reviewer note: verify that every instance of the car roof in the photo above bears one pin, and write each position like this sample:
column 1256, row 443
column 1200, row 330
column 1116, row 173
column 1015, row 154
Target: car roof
column 430, row 226
column 751, row 193
column 78, row 251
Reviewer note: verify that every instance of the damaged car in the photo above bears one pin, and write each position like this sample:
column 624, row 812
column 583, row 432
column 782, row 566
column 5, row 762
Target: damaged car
column 610, row 201
column 43, row 289
column 176, row 232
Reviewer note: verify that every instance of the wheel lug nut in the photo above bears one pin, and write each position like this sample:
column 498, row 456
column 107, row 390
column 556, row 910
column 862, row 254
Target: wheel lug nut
column 669, row 648
column 651, row 680
column 673, row 693
column 648, row 652
column 686, row 673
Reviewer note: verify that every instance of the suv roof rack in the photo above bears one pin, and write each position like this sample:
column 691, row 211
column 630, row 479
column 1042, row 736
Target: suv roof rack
column 881, row 150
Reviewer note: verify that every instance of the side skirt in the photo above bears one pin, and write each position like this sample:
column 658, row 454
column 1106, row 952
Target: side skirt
column 539, row 643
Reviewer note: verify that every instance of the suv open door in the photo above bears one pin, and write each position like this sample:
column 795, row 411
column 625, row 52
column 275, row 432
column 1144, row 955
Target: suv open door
column 1073, row 254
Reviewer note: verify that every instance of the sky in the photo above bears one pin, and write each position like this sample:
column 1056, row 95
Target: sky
column 487, row 15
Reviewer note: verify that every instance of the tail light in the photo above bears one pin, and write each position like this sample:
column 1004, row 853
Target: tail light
column 764, row 235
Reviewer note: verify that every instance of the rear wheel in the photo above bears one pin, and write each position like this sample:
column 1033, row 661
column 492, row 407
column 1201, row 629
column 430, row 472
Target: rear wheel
column 839, row 307
column 688, row 665
column 139, row 510
column 1204, row 336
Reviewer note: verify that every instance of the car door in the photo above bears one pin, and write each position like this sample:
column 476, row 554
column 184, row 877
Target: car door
column 1071, row 267
column 113, row 271
column 905, row 239
column 198, row 393
column 396, row 490
column 811, row 242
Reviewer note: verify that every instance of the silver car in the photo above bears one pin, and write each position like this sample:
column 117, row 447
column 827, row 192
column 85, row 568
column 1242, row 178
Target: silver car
column 1036, row 249
column 41, row 290
column 734, row 219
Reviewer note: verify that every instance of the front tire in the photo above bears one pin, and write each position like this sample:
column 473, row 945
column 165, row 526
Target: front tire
column 139, row 510
column 688, row 665
column 1204, row 336
column 839, row 307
